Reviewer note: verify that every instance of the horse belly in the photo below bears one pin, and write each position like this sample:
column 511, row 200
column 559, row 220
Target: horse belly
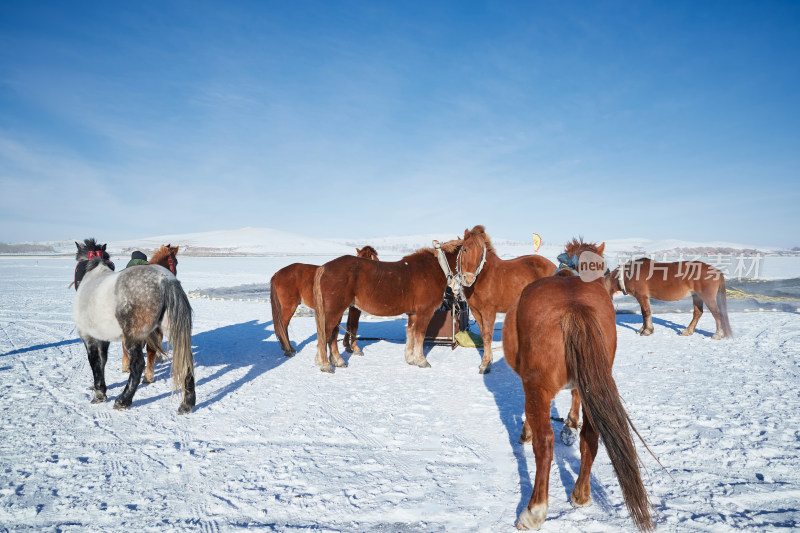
column 98, row 320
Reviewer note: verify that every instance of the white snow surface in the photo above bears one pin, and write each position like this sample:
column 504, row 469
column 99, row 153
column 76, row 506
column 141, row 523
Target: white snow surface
column 274, row 444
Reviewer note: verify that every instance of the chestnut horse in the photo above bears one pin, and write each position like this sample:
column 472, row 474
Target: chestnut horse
column 491, row 284
column 293, row 285
column 165, row 257
column 561, row 333
column 644, row 279
column 414, row 285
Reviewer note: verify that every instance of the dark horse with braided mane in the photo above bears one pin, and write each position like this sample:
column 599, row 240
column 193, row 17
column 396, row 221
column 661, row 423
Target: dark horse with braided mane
column 293, row 285
column 644, row 279
column 491, row 284
column 414, row 285
column 130, row 306
column 561, row 333
column 165, row 257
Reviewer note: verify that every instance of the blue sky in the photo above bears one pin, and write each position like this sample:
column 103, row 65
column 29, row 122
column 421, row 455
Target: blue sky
column 604, row 119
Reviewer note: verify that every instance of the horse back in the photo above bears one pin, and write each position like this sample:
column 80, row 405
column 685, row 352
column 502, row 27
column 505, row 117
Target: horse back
column 671, row 281
column 539, row 313
column 504, row 280
column 295, row 283
column 383, row 288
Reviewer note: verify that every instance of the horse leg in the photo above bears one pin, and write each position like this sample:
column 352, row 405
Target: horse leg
column 333, row 343
column 409, row 350
column 697, row 301
column 286, row 315
column 647, row 317
column 570, row 429
column 487, row 332
column 712, row 306
column 137, row 365
column 526, row 435
column 418, row 334
column 97, row 351
column 149, row 371
column 126, row 366
column 537, row 409
column 581, row 494
column 352, row 330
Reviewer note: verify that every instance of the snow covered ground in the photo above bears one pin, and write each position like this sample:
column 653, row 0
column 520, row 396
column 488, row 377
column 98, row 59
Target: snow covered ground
column 379, row 446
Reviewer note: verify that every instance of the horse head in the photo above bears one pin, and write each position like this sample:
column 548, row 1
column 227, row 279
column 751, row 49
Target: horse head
column 472, row 256
column 166, row 257
column 89, row 255
column 367, row 252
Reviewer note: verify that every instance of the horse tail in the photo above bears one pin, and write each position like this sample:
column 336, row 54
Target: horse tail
column 277, row 317
column 319, row 306
column 179, row 314
column 588, row 365
column 722, row 304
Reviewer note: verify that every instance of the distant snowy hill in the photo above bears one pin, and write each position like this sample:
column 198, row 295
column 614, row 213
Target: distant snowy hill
column 270, row 242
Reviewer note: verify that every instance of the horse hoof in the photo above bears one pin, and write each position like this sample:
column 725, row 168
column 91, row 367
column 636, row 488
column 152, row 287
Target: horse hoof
column 424, row 364
column 99, row 397
column 568, row 435
column 525, row 438
column 647, row 332
column 126, row 370
column 532, row 518
column 485, row 369
column 149, row 379
column 327, row 368
column 341, row 363
column 686, row 333
column 716, row 336
column 119, row 406
column 573, row 501
column 358, row 352
column 289, row 354
column 185, row 409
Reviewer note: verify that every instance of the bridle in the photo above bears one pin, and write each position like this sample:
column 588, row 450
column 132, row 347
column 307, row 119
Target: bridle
column 462, row 274
column 80, row 267
column 171, row 262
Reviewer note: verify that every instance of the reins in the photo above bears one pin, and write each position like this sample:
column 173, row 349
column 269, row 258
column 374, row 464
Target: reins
column 452, row 280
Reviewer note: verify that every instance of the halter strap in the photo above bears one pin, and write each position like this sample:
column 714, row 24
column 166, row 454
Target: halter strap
column 171, row 264
column 477, row 270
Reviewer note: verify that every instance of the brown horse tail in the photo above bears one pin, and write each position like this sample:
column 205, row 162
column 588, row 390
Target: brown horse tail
column 722, row 304
column 588, row 365
column 319, row 306
column 277, row 318
column 179, row 313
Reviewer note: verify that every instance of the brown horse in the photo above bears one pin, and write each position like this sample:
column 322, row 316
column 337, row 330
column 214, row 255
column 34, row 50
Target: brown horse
column 491, row 284
column 561, row 333
column 293, row 285
column 165, row 257
column 414, row 285
column 644, row 279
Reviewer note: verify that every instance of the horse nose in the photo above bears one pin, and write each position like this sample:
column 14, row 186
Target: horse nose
column 467, row 279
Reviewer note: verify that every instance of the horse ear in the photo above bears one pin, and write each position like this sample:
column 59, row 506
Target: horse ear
column 175, row 250
column 601, row 248
column 466, row 234
column 103, row 248
column 78, row 245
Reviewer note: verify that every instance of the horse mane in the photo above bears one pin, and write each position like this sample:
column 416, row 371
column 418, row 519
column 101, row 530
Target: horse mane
column 447, row 247
column 578, row 246
column 162, row 253
column 369, row 249
column 479, row 234
column 89, row 245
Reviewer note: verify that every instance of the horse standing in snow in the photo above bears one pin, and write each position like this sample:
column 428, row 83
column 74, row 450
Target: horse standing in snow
column 414, row 285
column 166, row 257
column 491, row 284
column 130, row 306
column 293, row 285
column 561, row 333
column 644, row 279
